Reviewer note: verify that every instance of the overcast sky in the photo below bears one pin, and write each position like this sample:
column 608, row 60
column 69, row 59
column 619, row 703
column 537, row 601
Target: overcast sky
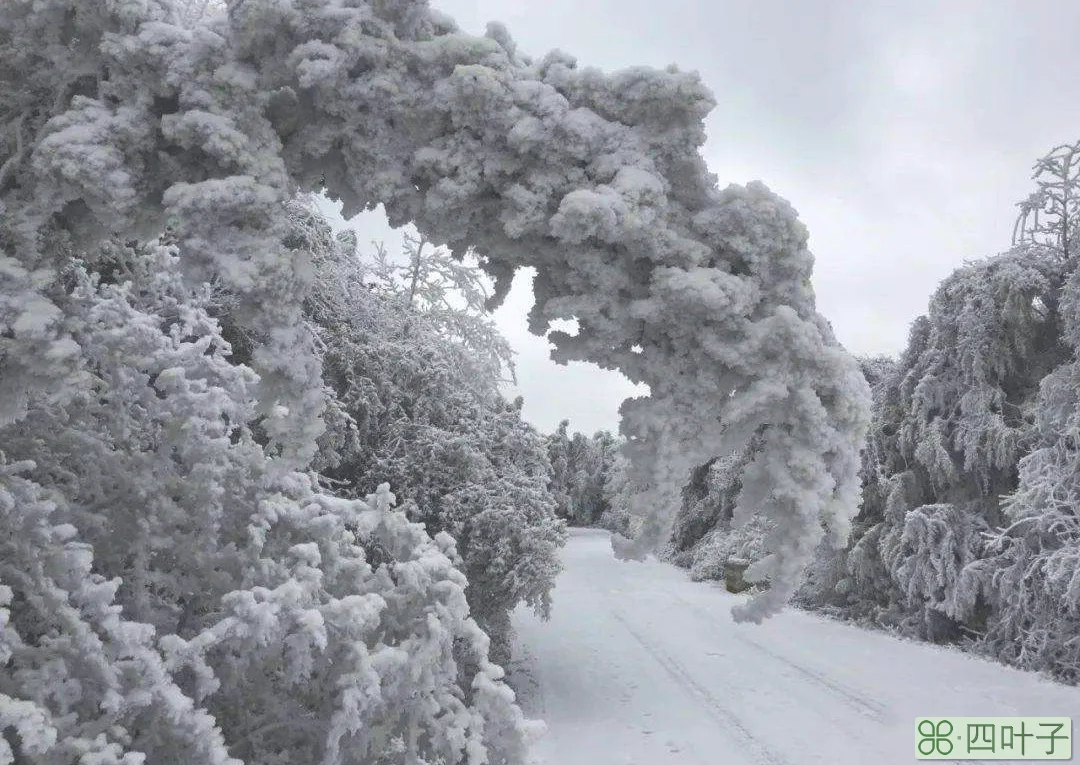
column 903, row 133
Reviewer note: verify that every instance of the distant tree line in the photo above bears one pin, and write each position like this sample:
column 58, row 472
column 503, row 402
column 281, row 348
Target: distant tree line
column 581, row 469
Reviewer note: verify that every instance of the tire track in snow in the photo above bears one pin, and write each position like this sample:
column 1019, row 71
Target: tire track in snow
column 858, row 702
column 759, row 751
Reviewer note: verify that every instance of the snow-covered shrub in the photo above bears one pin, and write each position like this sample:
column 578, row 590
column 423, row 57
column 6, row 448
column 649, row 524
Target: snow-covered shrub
column 263, row 592
column 153, row 451
column 328, row 655
column 856, row 584
column 80, row 681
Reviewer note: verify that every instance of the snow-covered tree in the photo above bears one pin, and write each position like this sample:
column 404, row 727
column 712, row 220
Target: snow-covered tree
column 708, row 535
column 619, row 491
column 960, row 416
column 558, row 448
column 416, row 402
column 162, row 384
column 925, row 550
column 1050, row 217
column 452, row 296
column 708, row 501
column 1031, row 575
column 967, row 526
column 956, row 413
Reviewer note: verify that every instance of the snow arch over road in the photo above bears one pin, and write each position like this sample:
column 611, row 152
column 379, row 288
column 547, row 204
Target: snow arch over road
column 594, row 179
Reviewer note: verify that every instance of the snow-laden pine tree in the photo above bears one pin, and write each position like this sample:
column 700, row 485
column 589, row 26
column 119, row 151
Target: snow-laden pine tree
column 1031, row 574
column 967, row 529
column 951, row 420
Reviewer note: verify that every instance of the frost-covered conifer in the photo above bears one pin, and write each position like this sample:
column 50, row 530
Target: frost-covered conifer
column 1031, row 576
column 1032, row 572
column 953, row 418
column 967, row 528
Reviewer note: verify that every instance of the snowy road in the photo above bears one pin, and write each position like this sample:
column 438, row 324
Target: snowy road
column 640, row 666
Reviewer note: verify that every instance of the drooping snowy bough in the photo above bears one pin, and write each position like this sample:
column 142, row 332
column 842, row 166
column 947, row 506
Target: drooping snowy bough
column 129, row 122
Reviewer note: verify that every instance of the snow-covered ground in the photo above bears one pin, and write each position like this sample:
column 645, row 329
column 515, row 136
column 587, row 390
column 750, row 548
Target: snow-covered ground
column 639, row 665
